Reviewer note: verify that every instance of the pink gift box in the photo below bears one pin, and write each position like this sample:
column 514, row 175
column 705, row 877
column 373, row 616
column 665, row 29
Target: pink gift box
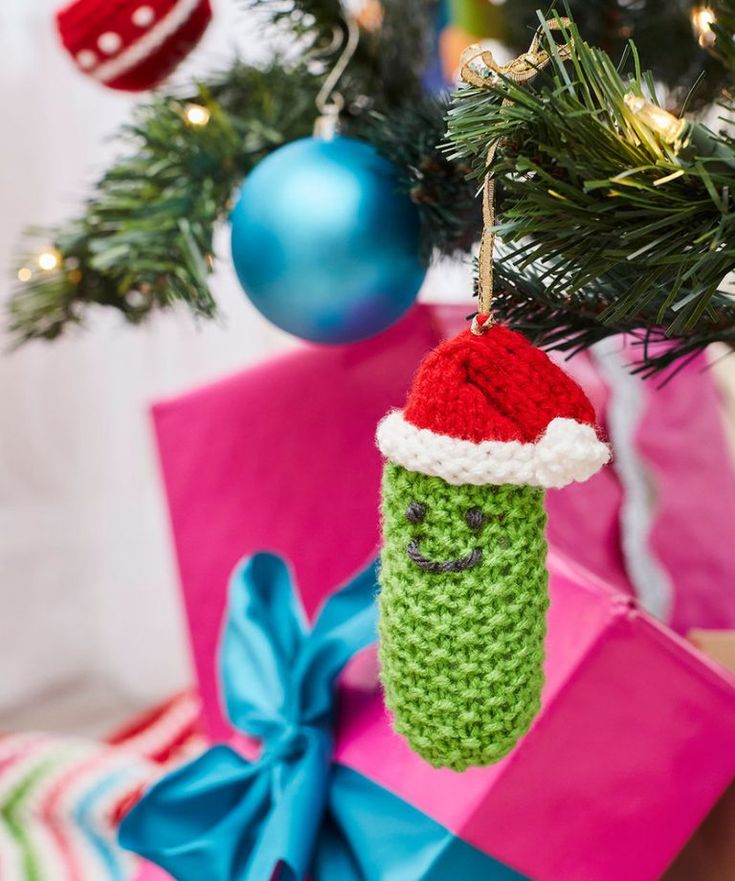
column 637, row 737
column 634, row 745
column 686, row 467
column 281, row 457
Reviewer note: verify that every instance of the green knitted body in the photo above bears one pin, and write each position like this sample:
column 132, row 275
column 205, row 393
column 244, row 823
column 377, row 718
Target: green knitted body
column 462, row 651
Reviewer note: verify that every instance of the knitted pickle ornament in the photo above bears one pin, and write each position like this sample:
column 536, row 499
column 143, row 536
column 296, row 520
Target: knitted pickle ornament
column 489, row 424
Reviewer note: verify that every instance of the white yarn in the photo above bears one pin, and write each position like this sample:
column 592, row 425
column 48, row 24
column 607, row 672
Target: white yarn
column 567, row 451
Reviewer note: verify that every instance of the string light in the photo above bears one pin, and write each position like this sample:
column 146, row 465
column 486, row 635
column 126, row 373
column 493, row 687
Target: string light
column 665, row 124
column 196, row 115
column 702, row 18
column 49, row 260
column 25, row 274
column 690, row 141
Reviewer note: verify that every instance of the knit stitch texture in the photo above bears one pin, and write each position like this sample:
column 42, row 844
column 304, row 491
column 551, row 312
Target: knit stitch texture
column 497, row 386
column 462, row 651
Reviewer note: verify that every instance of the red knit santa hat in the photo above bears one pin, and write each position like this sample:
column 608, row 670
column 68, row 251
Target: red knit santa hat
column 493, row 409
column 131, row 44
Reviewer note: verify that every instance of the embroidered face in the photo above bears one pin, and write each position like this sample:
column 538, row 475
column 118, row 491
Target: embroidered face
column 445, row 529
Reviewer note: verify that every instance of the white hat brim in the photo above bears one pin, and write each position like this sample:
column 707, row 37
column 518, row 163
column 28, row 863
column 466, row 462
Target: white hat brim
column 567, row 451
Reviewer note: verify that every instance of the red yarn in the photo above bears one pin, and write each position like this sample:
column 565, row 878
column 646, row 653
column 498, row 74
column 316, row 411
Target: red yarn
column 496, row 386
column 88, row 29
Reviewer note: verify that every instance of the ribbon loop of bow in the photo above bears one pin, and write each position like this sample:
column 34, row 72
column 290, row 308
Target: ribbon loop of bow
column 222, row 817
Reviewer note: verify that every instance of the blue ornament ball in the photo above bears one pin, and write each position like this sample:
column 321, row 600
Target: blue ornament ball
column 324, row 244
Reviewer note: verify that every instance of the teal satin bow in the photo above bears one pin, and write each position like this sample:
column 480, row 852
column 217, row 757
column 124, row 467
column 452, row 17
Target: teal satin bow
column 222, row 817
column 291, row 813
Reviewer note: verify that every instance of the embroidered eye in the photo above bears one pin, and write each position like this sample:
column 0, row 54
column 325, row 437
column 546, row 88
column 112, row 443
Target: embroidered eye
column 415, row 512
column 475, row 518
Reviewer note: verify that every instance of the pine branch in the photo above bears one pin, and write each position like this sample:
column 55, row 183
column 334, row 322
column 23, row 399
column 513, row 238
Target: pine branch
column 608, row 228
column 144, row 240
column 723, row 29
column 661, row 29
column 620, row 229
column 570, row 323
column 389, row 62
column 413, row 138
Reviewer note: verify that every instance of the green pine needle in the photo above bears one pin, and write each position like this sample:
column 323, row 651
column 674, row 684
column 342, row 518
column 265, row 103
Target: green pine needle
column 618, row 231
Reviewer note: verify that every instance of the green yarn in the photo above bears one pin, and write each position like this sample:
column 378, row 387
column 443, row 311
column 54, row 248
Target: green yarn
column 462, row 652
column 15, row 812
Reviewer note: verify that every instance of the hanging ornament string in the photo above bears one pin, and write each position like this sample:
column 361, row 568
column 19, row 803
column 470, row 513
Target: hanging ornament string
column 329, row 102
column 479, row 68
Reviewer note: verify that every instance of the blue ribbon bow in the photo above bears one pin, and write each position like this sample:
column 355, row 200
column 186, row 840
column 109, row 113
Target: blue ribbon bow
column 291, row 814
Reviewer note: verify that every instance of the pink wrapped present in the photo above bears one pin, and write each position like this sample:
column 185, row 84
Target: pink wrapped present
column 281, row 457
column 637, row 736
column 658, row 524
column 634, row 744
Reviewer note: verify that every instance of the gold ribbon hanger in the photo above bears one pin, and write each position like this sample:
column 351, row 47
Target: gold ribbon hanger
column 479, row 68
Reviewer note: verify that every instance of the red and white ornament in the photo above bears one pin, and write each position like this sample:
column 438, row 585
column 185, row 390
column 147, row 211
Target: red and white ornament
column 131, row 45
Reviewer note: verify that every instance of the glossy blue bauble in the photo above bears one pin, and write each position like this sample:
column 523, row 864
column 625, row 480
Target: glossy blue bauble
column 324, row 244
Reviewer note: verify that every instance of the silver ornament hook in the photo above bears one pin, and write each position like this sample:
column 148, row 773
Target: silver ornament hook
column 330, row 102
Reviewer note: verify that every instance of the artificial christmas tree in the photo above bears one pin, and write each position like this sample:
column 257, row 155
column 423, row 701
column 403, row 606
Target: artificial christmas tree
column 634, row 237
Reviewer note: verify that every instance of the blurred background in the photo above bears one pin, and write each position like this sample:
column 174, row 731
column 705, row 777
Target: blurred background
column 84, row 540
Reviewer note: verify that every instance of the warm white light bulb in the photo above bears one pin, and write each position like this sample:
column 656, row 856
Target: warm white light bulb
column 656, row 118
column 48, row 260
column 196, row 115
column 25, row 274
column 702, row 18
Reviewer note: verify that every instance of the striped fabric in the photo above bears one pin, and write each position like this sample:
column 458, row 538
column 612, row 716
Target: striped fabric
column 62, row 798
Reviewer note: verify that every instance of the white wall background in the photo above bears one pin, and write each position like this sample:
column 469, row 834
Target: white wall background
column 90, row 622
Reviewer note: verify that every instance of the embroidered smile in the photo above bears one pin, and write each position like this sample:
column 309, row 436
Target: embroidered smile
column 441, row 566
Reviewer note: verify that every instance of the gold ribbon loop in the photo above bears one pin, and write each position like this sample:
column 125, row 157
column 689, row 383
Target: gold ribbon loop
column 479, row 68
